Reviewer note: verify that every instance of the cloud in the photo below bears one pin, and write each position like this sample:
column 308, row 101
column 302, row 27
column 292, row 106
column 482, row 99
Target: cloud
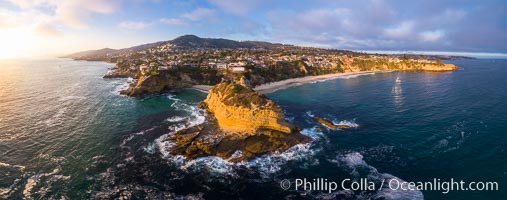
column 173, row 21
column 75, row 13
column 453, row 15
column 199, row 14
column 47, row 30
column 238, row 8
column 362, row 24
column 392, row 25
column 134, row 25
column 26, row 4
column 432, row 36
column 400, row 31
column 7, row 19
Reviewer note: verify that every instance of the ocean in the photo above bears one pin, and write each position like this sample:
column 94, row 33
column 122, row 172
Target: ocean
column 66, row 133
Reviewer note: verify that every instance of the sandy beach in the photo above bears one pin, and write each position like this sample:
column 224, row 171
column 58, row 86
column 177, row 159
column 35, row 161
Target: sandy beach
column 202, row 88
column 274, row 86
column 278, row 85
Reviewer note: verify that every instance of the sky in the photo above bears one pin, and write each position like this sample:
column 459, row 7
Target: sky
column 57, row 27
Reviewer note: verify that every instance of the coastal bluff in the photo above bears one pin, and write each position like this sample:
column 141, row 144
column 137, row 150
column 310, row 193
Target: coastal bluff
column 241, row 109
column 439, row 68
column 148, row 84
column 241, row 124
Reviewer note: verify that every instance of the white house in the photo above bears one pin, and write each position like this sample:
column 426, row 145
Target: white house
column 221, row 65
column 238, row 69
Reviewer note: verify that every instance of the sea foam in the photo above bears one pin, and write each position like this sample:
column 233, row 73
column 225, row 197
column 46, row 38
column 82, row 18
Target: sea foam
column 354, row 161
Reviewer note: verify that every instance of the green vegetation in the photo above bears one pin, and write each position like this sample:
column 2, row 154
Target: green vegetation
column 285, row 70
column 238, row 95
column 154, row 73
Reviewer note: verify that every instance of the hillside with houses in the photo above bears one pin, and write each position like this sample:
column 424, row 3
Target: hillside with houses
column 189, row 60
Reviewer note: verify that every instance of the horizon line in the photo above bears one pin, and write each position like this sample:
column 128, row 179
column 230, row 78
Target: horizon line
column 479, row 55
column 483, row 55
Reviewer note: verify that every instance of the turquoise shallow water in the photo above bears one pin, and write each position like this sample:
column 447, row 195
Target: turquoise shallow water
column 65, row 132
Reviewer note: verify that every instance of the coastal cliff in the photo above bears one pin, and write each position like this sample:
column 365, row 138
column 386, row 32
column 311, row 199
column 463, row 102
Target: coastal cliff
column 187, row 77
column 439, row 67
column 238, row 108
column 190, row 60
column 149, row 84
column 241, row 124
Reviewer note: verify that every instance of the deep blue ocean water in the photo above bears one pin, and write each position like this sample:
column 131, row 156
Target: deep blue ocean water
column 66, row 133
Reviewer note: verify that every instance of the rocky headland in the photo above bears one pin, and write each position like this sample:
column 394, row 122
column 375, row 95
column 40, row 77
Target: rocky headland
column 329, row 124
column 183, row 78
column 241, row 124
column 152, row 84
column 190, row 60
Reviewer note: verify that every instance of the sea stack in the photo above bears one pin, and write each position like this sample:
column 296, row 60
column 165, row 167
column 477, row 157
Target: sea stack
column 240, row 109
column 241, row 124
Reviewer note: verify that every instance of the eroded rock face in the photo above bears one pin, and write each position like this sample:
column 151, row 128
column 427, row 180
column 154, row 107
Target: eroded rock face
column 329, row 124
column 242, row 124
column 436, row 67
column 428, row 67
column 209, row 140
column 156, row 84
column 240, row 109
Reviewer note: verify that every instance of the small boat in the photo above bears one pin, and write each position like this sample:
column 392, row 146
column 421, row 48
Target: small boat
column 398, row 80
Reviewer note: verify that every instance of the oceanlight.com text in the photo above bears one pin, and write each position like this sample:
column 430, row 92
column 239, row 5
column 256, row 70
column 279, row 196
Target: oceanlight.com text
column 363, row 184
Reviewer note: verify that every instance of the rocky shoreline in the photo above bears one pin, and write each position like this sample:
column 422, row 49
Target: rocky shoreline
column 241, row 124
column 164, row 81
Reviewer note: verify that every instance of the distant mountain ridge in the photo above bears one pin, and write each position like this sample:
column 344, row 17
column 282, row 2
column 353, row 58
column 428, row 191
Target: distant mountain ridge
column 189, row 41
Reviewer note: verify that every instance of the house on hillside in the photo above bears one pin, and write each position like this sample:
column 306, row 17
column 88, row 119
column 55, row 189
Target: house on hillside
column 221, row 65
column 238, row 69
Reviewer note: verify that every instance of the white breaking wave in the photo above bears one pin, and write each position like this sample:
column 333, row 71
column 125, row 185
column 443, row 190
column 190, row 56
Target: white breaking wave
column 354, row 161
column 6, row 192
column 131, row 136
column 176, row 119
column 35, row 180
column 348, row 123
column 150, row 148
column 66, row 98
column 196, row 116
column 265, row 165
column 312, row 133
column 12, row 166
column 123, row 86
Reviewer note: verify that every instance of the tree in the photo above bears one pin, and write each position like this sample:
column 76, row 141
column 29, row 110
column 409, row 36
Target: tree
column 439, row 61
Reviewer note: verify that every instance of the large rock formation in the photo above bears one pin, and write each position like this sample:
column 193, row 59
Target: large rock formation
column 241, row 125
column 240, row 109
column 329, row 124
column 158, row 83
column 439, row 67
